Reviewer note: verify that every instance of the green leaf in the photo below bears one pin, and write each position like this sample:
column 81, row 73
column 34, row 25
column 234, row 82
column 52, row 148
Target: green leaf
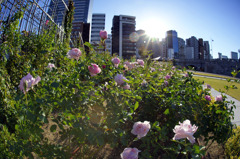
column 136, row 106
column 166, row 112
column 53, row 128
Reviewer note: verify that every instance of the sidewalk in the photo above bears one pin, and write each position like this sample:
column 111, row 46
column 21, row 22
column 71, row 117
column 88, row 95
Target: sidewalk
column 236, row 119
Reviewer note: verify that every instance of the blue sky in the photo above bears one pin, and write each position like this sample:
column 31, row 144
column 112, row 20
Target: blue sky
column 208, row 19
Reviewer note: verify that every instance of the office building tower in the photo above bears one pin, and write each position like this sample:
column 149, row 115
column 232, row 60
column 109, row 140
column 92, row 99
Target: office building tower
column 124, row 36
column 234, row 55
column 189, row 54
column 108, row 43
column 163, row 48
column 193, row 42
column 181, row 48
column 82, row 12
column 200, row 49
column 98, row 24
column 172, row 42
column 220, row 56
column 206, row 50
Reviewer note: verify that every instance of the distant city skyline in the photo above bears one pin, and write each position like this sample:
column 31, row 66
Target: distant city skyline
column 207, row 19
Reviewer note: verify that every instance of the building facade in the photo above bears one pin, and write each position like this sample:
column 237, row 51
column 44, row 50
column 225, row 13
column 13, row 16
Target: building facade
column 234, row 55
column 193, row 42
column 98, row 23
column 34, row 17
column 108, row 43
column 172, row 42
column 181, row 48
column 123, row 27
column 206, row 50
column 189, row 54
column 201, row 49
column 82, row 12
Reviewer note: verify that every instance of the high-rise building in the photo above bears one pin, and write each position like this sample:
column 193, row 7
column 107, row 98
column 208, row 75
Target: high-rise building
column 189, row 54
column 163, row 48
column 98, row 23
column 200, row 49
column 108, row 42
column 82, row 12
column 181, row 48
column 234, row 55
column 172, row 42
column 206, row 50
column 124, row 36
column 193, row 42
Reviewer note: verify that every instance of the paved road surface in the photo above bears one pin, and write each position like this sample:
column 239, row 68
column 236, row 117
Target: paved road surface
column 236, row 119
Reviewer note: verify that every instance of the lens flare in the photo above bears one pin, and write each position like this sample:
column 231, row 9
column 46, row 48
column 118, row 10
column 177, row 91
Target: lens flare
column 133, row 37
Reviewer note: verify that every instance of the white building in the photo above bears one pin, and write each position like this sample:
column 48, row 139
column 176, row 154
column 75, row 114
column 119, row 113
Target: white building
column 109, row 43
column 189, row 52
column 98, row 23
column 170, row 53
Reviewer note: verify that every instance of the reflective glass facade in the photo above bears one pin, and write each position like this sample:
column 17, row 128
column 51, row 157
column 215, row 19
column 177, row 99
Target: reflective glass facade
column 172, row 42
column 34, row 16
column 83, row 10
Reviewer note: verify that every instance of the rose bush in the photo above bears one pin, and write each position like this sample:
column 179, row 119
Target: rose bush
column 89, row 113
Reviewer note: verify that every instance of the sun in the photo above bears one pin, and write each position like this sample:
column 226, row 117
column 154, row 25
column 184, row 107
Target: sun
column 154, row 29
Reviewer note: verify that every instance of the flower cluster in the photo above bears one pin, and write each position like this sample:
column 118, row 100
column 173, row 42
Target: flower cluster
column 27, row 82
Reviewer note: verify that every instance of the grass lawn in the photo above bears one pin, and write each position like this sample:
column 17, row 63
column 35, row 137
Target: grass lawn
column 213, row 75
column 219, row 85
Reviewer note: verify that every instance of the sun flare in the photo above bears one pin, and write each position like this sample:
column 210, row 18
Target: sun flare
column 155, row 29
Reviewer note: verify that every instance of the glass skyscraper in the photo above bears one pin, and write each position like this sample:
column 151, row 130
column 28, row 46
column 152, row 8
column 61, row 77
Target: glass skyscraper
column 83, row 10
column 172, row 42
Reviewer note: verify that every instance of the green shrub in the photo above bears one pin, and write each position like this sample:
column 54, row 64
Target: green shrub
column 232, row 146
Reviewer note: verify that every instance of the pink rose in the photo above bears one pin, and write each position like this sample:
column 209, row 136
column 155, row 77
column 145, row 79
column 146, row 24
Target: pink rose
column 127, row 86
column 140, row 62
column 141, row 129
column 27, row 82
column 116, row 61
column 209, row 86
column 103, row 34
column 152, row 69
column 219, row 98
column 167, row 77
column 47, row 21
column 94, row 69
column 50, row 66
column 130, row 65
column 75, row 53
column 119, row 79
column 208, row 98
column 185, row 130
column 130, row 153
